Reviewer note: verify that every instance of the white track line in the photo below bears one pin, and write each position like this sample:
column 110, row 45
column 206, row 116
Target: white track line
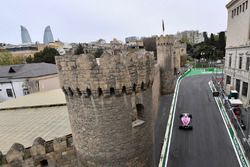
column 235, row 150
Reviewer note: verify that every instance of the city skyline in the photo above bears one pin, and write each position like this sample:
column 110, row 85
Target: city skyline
column 85, row 21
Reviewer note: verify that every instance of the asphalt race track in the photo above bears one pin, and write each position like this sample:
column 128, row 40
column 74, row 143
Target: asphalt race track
column 208, row 144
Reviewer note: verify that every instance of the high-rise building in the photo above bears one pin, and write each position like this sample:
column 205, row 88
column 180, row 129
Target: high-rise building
column 192, row 36
column 25, row 35
column 48, row 36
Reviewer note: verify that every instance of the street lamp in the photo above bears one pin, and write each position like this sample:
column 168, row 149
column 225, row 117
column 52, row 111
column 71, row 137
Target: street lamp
column 213, row 58
column 202, row 54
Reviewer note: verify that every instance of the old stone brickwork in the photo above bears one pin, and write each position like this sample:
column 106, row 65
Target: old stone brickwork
column 180, row 55
column 165, row 58
column 55, row 153
column 110, row 107
column 112, row 104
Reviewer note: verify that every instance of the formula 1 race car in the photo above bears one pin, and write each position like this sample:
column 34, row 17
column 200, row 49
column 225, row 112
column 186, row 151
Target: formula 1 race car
column 185, row 120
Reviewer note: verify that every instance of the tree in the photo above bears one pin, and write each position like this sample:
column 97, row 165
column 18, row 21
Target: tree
column 5, row 58
column 18, row 59
column 212, row 48
column 185, row 39
column 203, row 50
column 206, row 40
column 79, row 49
column 189, row 48
column 29, row 59
column 47, row 55
column 212, row 39
column 98, row 53
column 222, row 41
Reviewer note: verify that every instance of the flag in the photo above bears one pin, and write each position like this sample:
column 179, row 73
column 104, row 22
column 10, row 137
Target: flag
column 163, row 27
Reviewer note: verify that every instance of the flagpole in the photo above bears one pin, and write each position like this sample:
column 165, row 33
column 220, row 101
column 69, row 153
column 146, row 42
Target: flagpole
column 163, row 27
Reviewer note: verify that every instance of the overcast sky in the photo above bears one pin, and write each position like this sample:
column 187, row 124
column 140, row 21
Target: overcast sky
column 89, row 20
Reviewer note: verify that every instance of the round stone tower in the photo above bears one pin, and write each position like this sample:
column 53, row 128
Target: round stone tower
column 165, row 58
column 110, row 107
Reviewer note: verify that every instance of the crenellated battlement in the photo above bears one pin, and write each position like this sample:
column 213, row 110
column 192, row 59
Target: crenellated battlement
column 165, row 40
column 113, row 74
column 110, row 106
column 41, row 152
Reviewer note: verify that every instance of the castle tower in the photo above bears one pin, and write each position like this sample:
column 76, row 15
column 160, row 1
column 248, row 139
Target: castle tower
column 180, row 55
column 109, row 107
column 165, row 58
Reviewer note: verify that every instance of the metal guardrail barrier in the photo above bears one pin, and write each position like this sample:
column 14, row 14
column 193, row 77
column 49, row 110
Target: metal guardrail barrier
column 168, row 132
column 167, row 137
column 245, row 142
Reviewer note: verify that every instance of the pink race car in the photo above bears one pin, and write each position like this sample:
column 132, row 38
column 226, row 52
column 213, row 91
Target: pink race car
column 186, row 119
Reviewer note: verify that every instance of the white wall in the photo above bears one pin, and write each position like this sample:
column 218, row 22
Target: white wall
column 238, row 27
column 242, row 74
column 15, row 86
column 49, row 83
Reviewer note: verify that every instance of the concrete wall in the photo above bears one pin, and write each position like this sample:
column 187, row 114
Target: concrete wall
column 33, row 84
column 49, row 83
column 238, row 46
column 44, row 83
column 235, row 72
column 15, row 86
column 238, row 26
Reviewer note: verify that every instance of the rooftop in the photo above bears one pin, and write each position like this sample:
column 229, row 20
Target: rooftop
column 231, row 2
column 36, row 115
column 41, row 99
column 26, row 70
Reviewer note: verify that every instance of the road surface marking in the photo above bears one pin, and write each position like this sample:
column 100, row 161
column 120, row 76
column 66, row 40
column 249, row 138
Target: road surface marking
column 239, row 151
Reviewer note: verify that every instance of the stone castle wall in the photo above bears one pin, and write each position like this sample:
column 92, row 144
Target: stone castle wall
column 180, row 54
column 58, row 152
column 112, row 104
column 165, row 58
column 110, row 107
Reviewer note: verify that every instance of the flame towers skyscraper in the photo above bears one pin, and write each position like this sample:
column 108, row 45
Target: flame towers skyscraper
column 25, row 35
column 48, row 36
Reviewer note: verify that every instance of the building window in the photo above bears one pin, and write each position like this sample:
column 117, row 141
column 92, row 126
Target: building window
column 238, row 85
column 237, row 10
column 248, row 63
column 243, row 7
column 9, row 92
column 228, row 81
column 240, row 63
column 240, row 8
column 26, row 91
column 246, row 4
column 230, row 61
column 244, row 89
